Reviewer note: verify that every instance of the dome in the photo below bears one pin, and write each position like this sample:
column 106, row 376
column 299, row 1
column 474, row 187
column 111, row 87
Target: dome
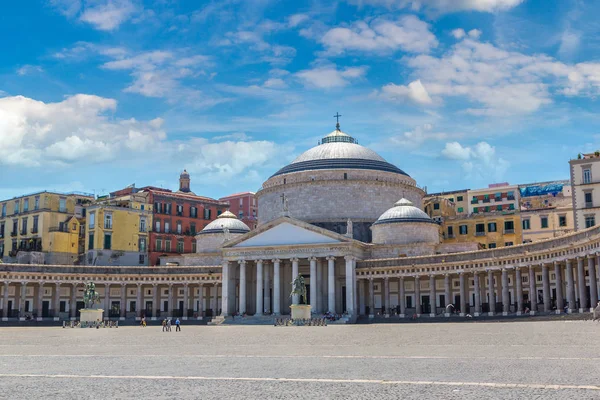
column 184, row 174
column 338, row 150
column 403, row 211
column 226, row 220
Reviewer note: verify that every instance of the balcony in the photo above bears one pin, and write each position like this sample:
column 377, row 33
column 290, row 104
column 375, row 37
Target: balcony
column 13, row 234
column 486, row 200
column 450, row 236
column 479, row 233
column 589, row 204
column 23, row 232
column 509, row 231
column 510, row 197
column 34, row 230
column 474, row 201
column 58, row 229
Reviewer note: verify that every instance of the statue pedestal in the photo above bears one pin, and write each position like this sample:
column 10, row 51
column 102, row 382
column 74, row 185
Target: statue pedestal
column 300, row 311
column 90, row 315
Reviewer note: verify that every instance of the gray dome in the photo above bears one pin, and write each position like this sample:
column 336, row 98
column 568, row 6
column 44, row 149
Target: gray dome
column 403, row 211
column 339, row 150
column 226, row 220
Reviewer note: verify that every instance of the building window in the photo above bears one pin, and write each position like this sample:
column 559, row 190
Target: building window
column 526, row 225
column 436, row 206
column 498, row 196
column 193, row 212
column 158, row 246
column 108, row 221
column 345, row 176
column 463, row 229
column 62, row 205
column 157, row 226
column 499, row 207
column 451, row 231
column 142, row 259
column 544, row 222
column 179, row 227
column 142, row 245
column 590, row 221
column 193, row 228
column 241, row 215
column 179, row 210
column 25, row 205
column 207, row 213
column 510, row 195
column 91, row 241
column 587, row 175
column 15, row 227
column 92, row 221
column 459, row 198
column 4, row 210
column 508, row 243
column 107, row 241
column 167, row 246
column 562, row 220
column 142, row 207
column 17, row 207
column 480, row 230
column 167, row 226
column 142, row 224
column 24, row 226
column 180, row 246
column 492, row 246
column 492, row 227
column 476, row 210
column 1, row 249
column 194, row 246
column 1, row 230
column 509, row 227
column 589, row 201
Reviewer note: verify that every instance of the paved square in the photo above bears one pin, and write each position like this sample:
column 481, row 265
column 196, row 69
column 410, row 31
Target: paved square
column 448, row 360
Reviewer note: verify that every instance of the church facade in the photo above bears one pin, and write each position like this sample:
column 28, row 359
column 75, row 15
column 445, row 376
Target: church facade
column 352, row 225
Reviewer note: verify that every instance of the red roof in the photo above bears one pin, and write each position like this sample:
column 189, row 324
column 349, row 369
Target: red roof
column 180, row 195
column 238, row 195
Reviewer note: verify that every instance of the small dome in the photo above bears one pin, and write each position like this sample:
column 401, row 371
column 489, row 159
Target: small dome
column 403, row 211
column 184, row 174
column 226, row 220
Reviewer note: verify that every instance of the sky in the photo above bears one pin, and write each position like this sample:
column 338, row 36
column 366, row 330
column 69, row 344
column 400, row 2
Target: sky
column 96, row 95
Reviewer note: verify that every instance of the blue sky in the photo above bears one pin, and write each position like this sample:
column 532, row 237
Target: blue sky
column 98, row 94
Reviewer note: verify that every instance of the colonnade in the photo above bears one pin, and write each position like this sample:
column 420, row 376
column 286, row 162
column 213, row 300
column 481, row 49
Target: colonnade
column 571, row 286
column 262, row 286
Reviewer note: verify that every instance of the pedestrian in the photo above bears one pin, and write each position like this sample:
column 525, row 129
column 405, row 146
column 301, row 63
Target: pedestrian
column 164, row 325
column 177, row 325
column 169, row 325
column 596, row 312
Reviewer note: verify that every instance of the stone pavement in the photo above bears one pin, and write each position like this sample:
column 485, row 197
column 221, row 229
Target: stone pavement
column 549, row 360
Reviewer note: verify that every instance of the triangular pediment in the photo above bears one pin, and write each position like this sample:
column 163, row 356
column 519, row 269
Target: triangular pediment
column 287, row 231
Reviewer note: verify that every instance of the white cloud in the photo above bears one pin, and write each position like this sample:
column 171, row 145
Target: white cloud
column 569, row 44
column 105, row 15
column 445, row 6
column 419, row 136
column 415, row 92
column 297, row 19
column 330, row 77
column 29, row 70
column 474, row 33
column 478, row 162
column 408, row 34
column 458, row 33
column 76, row 129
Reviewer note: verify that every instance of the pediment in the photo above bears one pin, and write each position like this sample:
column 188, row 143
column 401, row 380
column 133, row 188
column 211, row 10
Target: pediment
column 288, row 232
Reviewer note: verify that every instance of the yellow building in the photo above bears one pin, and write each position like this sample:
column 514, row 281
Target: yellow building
column 490, row 230
column 44, row 227
column 458, row 198
column 117, row 229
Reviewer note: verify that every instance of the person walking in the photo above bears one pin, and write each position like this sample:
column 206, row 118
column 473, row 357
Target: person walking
column 177, row 325
column 164, row 325
column 169, row 325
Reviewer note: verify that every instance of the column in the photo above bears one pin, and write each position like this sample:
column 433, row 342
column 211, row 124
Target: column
column 386, row 288
column 242, row 309
column 432, row 299
column 155, row 300
column 5, row 309
column 276, row 288
column 581, row 285
column 40, row 299
column 226, row 298
column 418, row 309
column 296, row 297
column 319, row 299
column 532, row 290
column 139, row 301
column 259, row 288
column 477, row 290
column 361, row 297
column 73, row 302
column 559, row 288
column 402, row 296
column 505, row 301
column 447, row 294
column 519, row 282
column 371, row 298
column 570, row 287
column 331, row 284
column 56, row 305
column 186, row 301
column 593, row 283
column 313, row 284
column 172, row 301
column 463, row 294
column 107, row 300
column 491, row 293
column 267, row 288
column 546, row 287
column 349, row 285
column 216, row 300
column 201, row 307
column 123, row 300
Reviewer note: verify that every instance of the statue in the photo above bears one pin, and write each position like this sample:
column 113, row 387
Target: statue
column 349, row 228
column 299, row 288
column 226, row 233
column 90, row 296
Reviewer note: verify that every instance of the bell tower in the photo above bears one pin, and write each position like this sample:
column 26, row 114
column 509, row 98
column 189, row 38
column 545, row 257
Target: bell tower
column 184, row 182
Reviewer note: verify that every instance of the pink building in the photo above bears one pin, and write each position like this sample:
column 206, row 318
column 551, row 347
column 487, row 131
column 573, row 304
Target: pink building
column 243, row 205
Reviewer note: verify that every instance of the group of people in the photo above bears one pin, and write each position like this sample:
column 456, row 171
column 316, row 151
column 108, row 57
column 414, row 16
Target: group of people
column 167, row 324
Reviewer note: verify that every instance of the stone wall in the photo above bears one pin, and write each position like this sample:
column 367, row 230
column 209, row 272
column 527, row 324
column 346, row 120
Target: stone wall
column 405, row 233
column 209, row 242
column 198, row 259
column 116, row 258
column 320, row 196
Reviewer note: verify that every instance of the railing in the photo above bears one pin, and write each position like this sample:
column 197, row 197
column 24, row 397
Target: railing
column 13, row 234
column 510, row 197
column 34, row 230
column 589, row 204
column 509, row 231
column 58, row 229
column 479, row 233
